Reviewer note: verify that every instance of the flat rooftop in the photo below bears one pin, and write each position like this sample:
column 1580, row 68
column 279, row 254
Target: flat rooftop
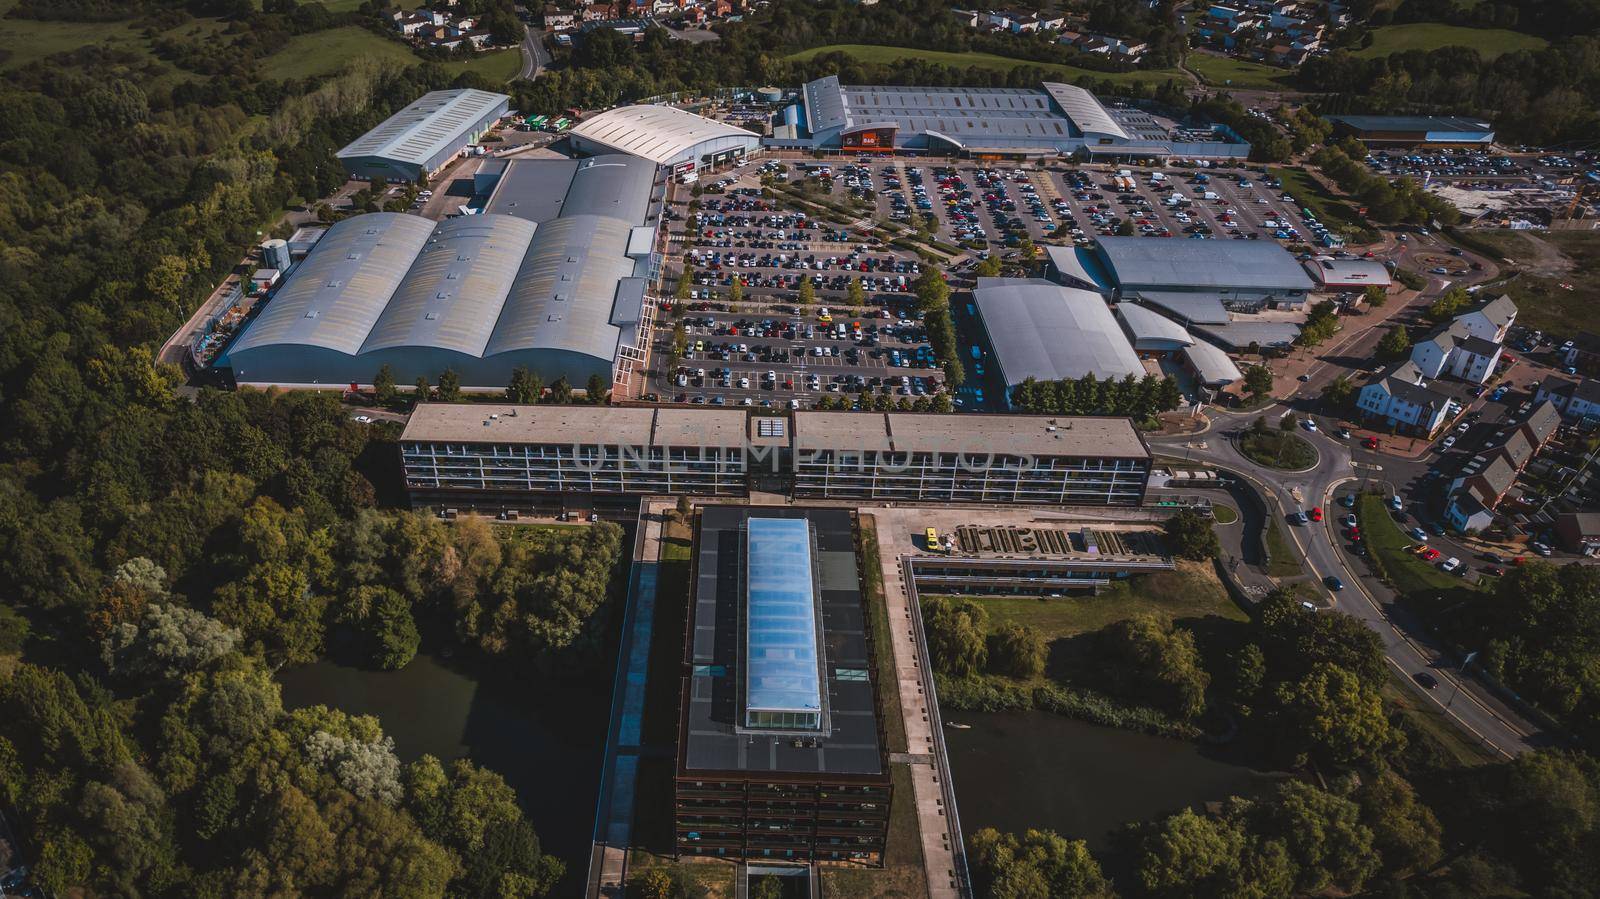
column 610, row 425
column 710, row 739
column 1038, row 435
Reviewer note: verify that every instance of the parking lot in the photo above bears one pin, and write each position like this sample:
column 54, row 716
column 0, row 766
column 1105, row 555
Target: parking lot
column 1476, row 167
column 861, row 334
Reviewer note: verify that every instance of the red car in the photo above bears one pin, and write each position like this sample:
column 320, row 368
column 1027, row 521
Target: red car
column 1430, row 554
column 1370, row 443
column 1316, row 513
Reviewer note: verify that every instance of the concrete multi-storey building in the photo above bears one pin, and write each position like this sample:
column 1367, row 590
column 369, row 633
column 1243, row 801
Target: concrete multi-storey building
column 513, row 457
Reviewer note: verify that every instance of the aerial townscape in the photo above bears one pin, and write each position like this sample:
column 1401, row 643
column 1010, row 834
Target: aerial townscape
column 749, row 449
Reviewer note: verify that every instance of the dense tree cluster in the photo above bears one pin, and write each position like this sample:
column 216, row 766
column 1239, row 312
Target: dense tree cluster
column 1138, row 398
column 1401, row 200
column 1191, row 536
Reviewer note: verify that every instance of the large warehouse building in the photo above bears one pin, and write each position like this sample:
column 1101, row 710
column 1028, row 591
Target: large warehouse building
column 981, row 121
column 1200, row 281
column 424, row 136
column 1047, row 332
column 665, row 135
column 1413, row 130
column 560, row 292
column 494, row 458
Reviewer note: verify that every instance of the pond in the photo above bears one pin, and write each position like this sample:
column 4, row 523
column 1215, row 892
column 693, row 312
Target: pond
column 1016, row 770
column 547, row 741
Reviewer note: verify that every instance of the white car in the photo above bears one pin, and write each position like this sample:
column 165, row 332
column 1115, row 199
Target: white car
column 1448, row 442
column 1450, row 564
column 364, row 419
column 1395, row 503
column 1419, row 535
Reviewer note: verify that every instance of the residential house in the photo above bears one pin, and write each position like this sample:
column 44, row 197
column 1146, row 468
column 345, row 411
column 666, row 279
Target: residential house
column 1575, row 399
column 1456, row 350
column 1492, row 320
column 1579, row 532
column 558, row 18
column 1585, row 353
column 1474, row 495
column 1401, row 399
column 1541, row 425
column 597, row 12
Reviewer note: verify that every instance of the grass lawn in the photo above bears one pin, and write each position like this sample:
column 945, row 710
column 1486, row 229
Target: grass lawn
column 1192, row 591
column 1388, row 542
column 1224, row 514
column 27, row 40
column 1442, row 738
column 714, row 878
column 1226, row 71
column 1309, row 193
column 325, row 52
column 1280, row 449
column 902, row 875
column 894, row 725
column 1283, row 558
column 1490, row 42
column 873, row 53
column 1542, row 301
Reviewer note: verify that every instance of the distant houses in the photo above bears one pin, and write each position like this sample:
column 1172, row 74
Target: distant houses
column 1278, row 32
column 440, row 28
column 1068, row 30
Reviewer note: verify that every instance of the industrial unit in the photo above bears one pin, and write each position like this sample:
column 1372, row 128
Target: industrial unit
column 1051, row 120
column 1202, row 280
column 421, row 138
column 561, row 293
column 496, row 458
column 781, row 753
column 667, row 136
column 1041, row 330
column 1413, row 130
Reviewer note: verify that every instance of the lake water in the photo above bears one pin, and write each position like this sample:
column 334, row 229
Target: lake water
column 546, row 740
column 1016, row 770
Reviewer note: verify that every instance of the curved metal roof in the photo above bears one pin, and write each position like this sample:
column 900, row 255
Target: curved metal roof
column 1042, row 330
column 658, row 133
column 453, row 293
column 615, row 185
column 340, row 289
column 563, row 294
column 1147, row 324
column 1084, row 110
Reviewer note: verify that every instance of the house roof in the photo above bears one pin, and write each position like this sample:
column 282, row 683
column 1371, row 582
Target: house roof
column 1499, row 311
column 1542, row 421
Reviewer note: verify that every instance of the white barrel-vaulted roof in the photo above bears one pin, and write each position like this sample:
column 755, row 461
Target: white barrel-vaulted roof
column 1084, row 110
column 1041, row 330
column 661, row 134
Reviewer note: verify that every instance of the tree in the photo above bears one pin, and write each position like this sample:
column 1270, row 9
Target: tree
column 168, row 642
column 1331, row 716
column 449, row 386
column 422, row 391
column 560, row 392
column 1191, row 536
column 1339, row 393
column 525, row 386
column 1257, row 380
column 1448, row 305
column 685, row 284
column 1288, row 422
column 656, row 883
column 595, row 390
column 383, row 386
column 1324, row 835
column 955, row 631
column 1040, row 863
column 808, row 294
column 1188, row 855
column 1125, row 227
column 855, row 294
column 1375, row 296
column 1396, row 344
column 1156, row 663
column 1018, row 650
column 988, row 267
column 1405, row 832
column 735, row 289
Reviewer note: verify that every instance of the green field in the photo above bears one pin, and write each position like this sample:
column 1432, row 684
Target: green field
column 1338, row 215
column 1225, row 71
column 1407, row 571
column 1283, row 558
column 1490, row 42
column 1192, row 591
column 872, row 53
column 26, row 40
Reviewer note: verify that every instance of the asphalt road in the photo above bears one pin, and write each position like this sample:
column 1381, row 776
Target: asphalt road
column 534, row 55
column 1408, row 647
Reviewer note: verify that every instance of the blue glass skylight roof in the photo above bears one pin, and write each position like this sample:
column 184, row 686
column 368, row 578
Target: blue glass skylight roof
column 781, row 672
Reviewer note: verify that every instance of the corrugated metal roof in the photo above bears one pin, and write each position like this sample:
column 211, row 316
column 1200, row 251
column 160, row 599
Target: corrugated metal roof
column 1413, row 123
column 1080, row 265
column 1084, row 110
column 657, row 133
column 1213, row 365
column 1199, row 264
column 563, row 293
column 1147, row 324
column 1239, row 335
column 1331, row 272
column 340, row 289
column 1194, row 308
column 418, row 132
column 1042, row 330
column 455, row 289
